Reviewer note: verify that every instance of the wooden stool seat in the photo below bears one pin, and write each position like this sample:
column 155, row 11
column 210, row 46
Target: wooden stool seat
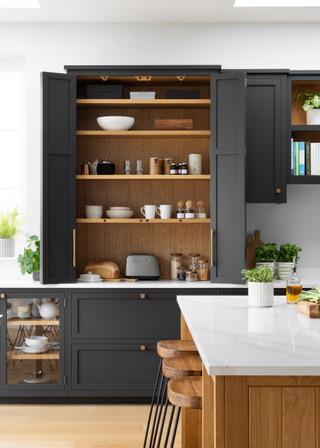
column 186, row 392
column 181, row 366
column 168, row 349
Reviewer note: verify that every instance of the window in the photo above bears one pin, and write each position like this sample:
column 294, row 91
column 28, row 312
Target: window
column 12, row 136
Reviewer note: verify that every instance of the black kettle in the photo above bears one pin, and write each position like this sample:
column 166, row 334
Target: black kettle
column 106, row 167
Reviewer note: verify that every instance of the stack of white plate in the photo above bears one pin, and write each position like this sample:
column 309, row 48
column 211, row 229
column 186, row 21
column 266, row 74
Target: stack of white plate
column 94, row 211
column 119, row 213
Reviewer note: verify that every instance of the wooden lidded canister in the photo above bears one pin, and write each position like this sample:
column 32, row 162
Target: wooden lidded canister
column 154, row 166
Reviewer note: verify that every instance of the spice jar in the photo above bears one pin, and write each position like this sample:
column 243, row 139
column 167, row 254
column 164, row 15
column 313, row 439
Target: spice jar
column 184, row 168
column 173, row 169
column 180, row 168
column 200, row 213
column 180, row 210
column 193, row 261
column 176, row 261
column 203, row 270
column 189, row 210
column 182, row 273
column 191, row 276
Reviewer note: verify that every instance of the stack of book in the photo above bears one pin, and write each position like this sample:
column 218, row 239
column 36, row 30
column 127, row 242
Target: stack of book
column 305, row 158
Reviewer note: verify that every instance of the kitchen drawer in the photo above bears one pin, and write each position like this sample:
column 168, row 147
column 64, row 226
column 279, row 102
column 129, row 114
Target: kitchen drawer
column 124, row 315
column 114, row 370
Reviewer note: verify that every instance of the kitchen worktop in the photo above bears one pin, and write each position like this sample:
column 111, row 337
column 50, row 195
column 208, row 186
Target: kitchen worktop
column 235, row 339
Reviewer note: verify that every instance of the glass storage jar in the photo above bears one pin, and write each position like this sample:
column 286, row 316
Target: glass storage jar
column 173, row 169
column 200, row 212
column 189, row 210
column 203, row 270
column 191, row 276
column 193, row 261
column 176, row 261
column 182, row 273
column 180, row 210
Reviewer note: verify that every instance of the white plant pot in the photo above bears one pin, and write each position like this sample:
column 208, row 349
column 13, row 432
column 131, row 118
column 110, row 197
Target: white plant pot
column 260, row 294
column 7, row 247
column 285, row 270
column 313, row 116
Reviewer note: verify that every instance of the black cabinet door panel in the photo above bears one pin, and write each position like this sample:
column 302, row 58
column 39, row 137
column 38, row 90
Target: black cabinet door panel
column 266, row 139
column 58, row 179
column 114, row 370
column 124, row 315
column 228, row 228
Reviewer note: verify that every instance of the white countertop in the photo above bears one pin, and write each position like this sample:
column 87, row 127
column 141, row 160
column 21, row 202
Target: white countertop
column 27, row 282
column 234, row 339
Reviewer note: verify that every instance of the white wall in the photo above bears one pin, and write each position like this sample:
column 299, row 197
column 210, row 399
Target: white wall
column 50, row 46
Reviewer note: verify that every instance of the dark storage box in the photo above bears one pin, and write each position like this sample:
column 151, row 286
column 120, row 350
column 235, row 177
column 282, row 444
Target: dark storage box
column 182, row 94
column 107, row 92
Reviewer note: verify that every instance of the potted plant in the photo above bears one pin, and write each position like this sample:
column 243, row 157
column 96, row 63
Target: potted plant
column 311, row 105
column 284, row 257
column 10, row 225
column 29, row 262
column 260, row 285
column 266, row 255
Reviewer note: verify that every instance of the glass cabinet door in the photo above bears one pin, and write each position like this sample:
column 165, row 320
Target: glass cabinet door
column 32, row 342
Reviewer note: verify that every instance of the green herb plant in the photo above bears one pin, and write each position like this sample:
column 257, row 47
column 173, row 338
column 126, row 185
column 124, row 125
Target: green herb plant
column 311, row 100
column 260, row 274
column 313, row 295
column 30, row 260
column 10, row 223
column 287, row 252
column 266, row 253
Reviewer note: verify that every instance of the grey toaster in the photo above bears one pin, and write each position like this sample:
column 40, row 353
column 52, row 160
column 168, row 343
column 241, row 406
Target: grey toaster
column 142, row 267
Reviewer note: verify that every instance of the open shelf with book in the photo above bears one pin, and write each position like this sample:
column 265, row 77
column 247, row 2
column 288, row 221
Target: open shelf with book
column 304, row 156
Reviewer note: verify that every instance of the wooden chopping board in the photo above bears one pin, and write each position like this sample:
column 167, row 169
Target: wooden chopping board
column 253, row 242
column 120, row 279
column 308, row 308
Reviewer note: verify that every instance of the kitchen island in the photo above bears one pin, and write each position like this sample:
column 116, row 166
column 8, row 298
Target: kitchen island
column 261, row 373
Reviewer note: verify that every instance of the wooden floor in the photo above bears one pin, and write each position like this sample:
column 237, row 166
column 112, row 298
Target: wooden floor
column 74, row 426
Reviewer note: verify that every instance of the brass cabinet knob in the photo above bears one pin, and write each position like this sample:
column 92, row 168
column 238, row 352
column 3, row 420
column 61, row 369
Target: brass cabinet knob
column 143, row 347
column 278, row 190
column 142, row 296
column 2, row 295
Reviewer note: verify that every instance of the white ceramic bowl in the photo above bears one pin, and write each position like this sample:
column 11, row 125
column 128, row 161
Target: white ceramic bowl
column 115, row 123
column 119, row 214
column 36, row 341
column 94, row 207
column 92, row 215
column 120, row 208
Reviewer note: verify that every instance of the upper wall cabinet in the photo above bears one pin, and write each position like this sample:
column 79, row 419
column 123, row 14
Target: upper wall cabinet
column 267, row 140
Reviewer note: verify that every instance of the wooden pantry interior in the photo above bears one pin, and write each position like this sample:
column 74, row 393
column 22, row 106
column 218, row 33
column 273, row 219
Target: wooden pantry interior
column 72, row 137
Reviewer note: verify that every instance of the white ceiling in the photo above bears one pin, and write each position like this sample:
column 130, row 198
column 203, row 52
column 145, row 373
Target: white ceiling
column 155, row 11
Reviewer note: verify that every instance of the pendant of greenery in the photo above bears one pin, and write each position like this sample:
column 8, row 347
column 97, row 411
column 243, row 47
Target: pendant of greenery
column 312, row 296
column 30, row 260
column 260, row 274
column 287, row 252
column 311, row 100
column 266, row 253
column 10, row 223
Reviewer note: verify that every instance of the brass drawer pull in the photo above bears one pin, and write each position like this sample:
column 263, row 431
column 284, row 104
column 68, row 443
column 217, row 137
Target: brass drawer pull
column 143, row 347
column 142, row 296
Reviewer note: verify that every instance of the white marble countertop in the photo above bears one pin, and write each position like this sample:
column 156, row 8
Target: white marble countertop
column 234, row 339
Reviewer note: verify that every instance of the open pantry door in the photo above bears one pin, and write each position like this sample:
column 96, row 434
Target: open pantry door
column 58, row 178
column 228, row 212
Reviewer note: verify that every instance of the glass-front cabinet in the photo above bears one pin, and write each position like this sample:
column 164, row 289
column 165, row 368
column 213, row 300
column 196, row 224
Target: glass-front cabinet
column 32, row 343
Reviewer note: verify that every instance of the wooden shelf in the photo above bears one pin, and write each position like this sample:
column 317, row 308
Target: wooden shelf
column 32, row 321
column 22, row 355
column 142, row 221
column 305, row 127
column 144, row 104
column 143, row 177
column 144, row 134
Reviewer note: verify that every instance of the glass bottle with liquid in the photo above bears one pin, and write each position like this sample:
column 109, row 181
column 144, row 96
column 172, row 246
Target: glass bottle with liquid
column 294, row 286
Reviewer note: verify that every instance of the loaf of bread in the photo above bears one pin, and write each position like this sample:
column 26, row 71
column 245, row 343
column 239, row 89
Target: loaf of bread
column 106, row 269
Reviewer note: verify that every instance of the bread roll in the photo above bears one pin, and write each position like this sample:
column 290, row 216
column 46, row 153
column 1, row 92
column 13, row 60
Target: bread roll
column 106, row 269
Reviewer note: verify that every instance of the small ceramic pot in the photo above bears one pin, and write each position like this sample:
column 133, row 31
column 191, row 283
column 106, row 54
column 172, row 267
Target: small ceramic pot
column 313, row 116
column 285, row 270
column 24, row 312
column 260, row 294
column 36, row 276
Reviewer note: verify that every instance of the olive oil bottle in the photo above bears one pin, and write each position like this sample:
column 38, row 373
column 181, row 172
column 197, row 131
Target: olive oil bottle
column 294, row 286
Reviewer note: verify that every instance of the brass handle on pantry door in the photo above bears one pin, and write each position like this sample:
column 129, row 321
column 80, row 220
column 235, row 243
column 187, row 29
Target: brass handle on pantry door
column 211, row 247
column 74, row 247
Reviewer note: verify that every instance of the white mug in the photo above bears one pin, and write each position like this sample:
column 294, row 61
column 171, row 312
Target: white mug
column 164, row 211
column 149, row 211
